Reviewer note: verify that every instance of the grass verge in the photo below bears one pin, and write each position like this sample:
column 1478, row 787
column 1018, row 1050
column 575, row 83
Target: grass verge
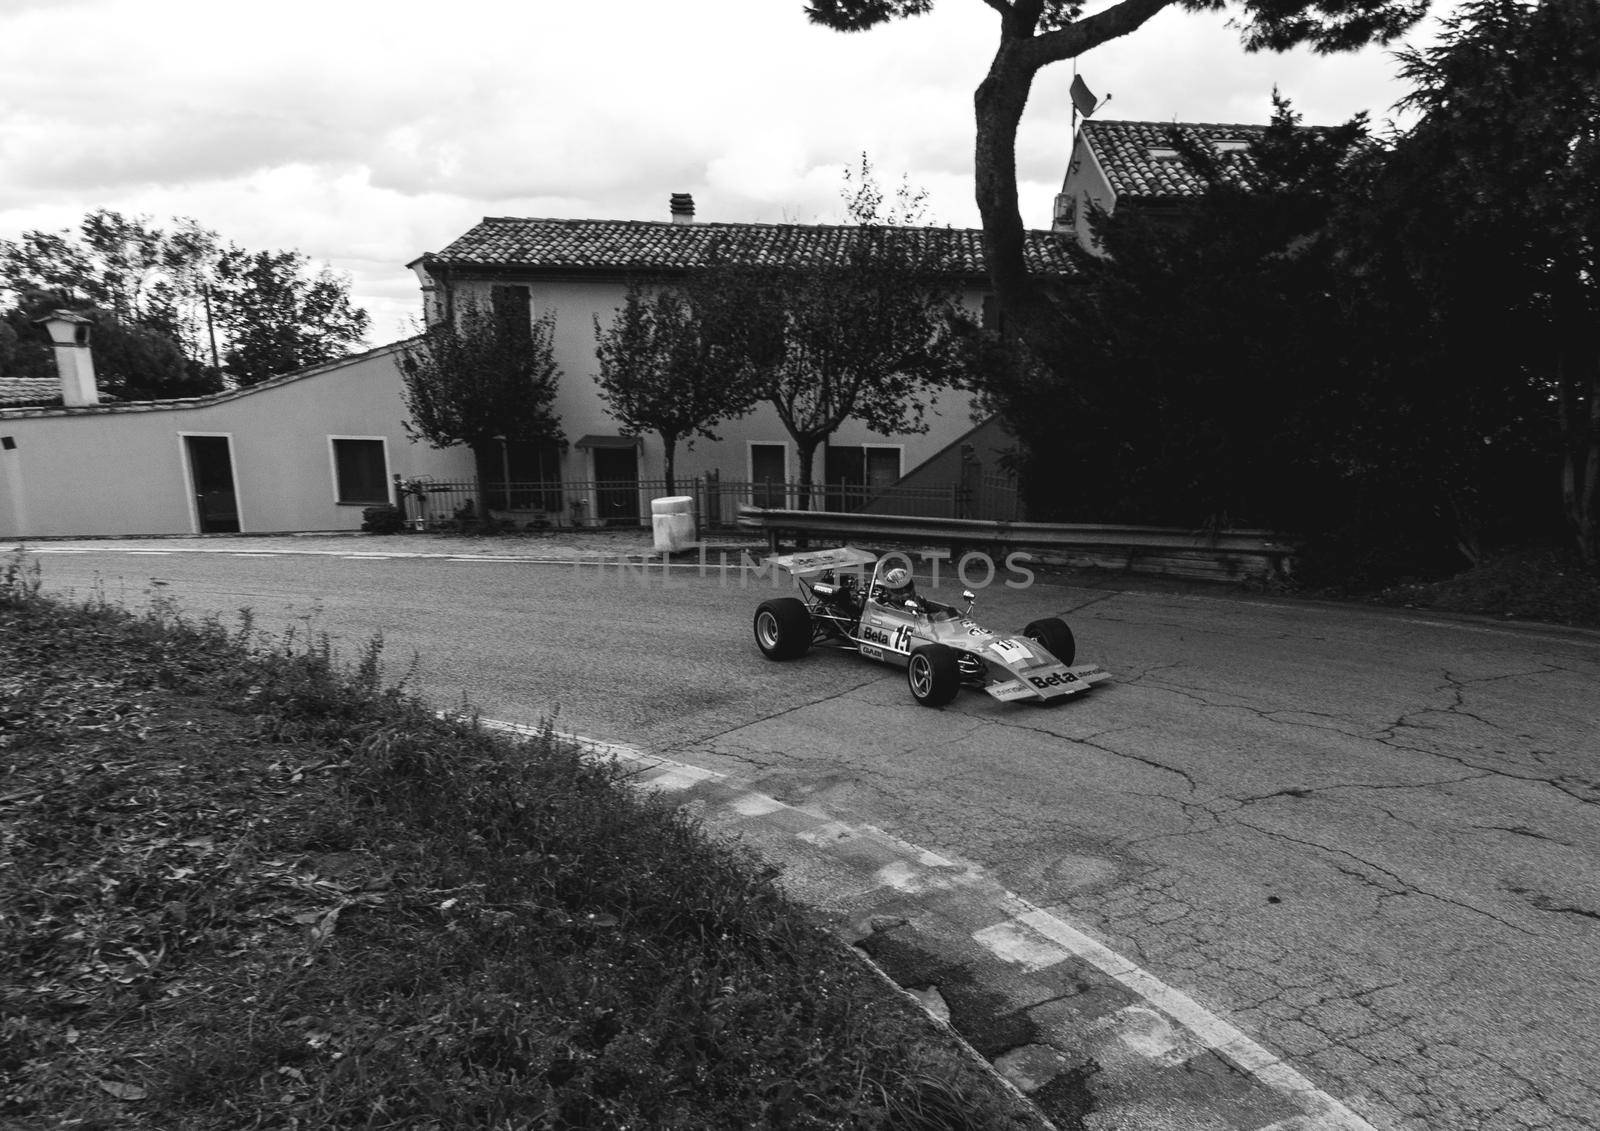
column 1536, row 584
column 243, row 886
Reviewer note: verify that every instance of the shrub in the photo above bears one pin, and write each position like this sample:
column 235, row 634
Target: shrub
column 386, row 519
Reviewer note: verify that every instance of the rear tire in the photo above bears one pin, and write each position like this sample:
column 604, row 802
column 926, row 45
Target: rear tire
column 783, row 628
column 933, row 674
column 1055, row 637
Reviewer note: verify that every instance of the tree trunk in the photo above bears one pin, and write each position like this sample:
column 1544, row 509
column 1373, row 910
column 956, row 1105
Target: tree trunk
column 1587, row 477
column 1029, row 309
column 806, row 447
column 483, row 456
column 669, row 444
column 1578, row 406
column 998, row 104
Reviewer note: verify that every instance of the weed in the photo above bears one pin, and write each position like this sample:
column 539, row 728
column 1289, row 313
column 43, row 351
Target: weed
column 247, row 886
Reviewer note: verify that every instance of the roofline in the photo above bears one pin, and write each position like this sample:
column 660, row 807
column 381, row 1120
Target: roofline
column 182, row 403
column 461, row 269
column 522, row 268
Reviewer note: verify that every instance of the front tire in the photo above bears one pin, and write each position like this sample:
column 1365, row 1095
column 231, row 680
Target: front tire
column 783, row 628
column 1055, row 637
column 934, row 675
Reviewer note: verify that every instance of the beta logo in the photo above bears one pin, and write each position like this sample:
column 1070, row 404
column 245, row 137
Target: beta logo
column 1054, row 679
column 900, row 641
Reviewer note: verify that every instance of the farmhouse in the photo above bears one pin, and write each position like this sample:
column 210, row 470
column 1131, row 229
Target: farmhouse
column 581, row 269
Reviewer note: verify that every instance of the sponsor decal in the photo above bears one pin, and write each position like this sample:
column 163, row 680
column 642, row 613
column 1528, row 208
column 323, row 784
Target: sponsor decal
column 898, row 641
column 1011, row 651
column 1012, row 689
column 1054, row 679
column 871, row 652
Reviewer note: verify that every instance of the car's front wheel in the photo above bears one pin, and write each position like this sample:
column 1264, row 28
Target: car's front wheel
column 783, row 628
column 934, row 675
column 1055, row 636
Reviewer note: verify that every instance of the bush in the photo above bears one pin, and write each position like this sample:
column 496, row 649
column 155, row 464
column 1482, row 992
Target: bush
column 383, row 520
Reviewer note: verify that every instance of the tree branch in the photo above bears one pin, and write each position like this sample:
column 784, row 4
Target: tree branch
column 1076, row 38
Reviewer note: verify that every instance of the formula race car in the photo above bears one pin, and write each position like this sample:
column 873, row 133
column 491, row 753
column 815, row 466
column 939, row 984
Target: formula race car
column 940, row 648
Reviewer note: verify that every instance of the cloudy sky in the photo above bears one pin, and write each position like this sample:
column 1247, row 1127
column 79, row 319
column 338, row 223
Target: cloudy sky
column 366, row 132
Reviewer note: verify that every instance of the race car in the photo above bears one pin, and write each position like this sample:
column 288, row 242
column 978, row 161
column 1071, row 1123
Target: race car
column 879, row 616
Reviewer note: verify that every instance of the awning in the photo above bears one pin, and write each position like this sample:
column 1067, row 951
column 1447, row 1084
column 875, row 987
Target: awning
column 608, row 442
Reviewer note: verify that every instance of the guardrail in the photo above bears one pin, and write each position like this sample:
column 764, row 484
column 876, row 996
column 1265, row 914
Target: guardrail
column 1226, row 555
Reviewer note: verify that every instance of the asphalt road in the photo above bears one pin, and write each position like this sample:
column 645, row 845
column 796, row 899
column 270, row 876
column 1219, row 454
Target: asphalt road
column 1368, row 839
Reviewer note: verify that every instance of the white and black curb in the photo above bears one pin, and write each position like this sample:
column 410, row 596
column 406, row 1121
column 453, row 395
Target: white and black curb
column 1146, row 1035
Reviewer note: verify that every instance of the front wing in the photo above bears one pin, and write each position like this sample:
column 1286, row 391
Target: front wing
column 1051, row 682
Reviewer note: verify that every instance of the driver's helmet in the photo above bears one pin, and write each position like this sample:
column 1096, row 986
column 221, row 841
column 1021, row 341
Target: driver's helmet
column 897, row 585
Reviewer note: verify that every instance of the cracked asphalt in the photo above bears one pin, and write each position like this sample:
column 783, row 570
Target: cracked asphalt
column 1367, row 839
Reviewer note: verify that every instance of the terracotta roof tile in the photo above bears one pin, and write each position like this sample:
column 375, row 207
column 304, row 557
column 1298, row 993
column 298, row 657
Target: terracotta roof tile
column 1124, row 152
column 29, row 390
column 643, row 245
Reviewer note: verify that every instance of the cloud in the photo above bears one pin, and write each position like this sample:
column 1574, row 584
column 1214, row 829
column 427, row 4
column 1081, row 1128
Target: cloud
column 366, row 132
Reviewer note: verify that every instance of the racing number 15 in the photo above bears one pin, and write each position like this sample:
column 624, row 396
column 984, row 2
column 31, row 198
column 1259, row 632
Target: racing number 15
column 902, row 638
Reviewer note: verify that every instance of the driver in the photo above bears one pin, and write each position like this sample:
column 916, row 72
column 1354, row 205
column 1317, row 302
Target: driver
column 896, row 587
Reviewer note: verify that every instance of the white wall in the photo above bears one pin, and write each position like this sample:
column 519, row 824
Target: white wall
column 582, row 411
column 123, row 469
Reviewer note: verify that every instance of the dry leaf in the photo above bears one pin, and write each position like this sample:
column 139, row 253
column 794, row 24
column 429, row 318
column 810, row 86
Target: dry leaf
column 122, row 1091
column 324, row 927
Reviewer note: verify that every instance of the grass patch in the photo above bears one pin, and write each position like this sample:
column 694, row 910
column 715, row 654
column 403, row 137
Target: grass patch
column 242, row 886
column 1538, row 584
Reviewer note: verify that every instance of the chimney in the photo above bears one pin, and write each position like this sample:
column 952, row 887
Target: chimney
column 69, row 334
column 682, row 208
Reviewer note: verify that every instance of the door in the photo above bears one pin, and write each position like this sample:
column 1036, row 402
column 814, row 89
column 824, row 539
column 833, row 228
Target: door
column 844, row 474
column 211, row 471
column 616, row 475
column 768, row 472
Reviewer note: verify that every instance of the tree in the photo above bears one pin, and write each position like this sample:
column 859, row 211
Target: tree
column 669, row 362
column 1036, row 33
column 282, row 314
column 275, row 311
column 131, row 362
column 1490, row 213
column 478, row 380
column 1210, row 348
column 866, row 337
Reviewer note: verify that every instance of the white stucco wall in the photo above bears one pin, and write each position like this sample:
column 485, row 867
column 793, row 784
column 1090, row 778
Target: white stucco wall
column 123, row 469
column 582, row 411
column 1088, row 186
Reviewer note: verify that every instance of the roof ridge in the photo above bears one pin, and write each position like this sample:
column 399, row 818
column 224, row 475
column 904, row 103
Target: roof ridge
column 1164, row 124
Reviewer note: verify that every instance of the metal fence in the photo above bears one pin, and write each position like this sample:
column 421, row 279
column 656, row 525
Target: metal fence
column 433, row 504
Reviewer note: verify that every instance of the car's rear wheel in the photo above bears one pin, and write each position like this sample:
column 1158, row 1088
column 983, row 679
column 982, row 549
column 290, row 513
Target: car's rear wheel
column 1056, row 638
column 783, row 628
column 934, row 675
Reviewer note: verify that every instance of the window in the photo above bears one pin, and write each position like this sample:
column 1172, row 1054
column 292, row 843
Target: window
column 992, row 317
column 768, row 472
column 513, row 312
column 360, row 471
column 522, row 475
column 854, row 475
column 1163, row 153
column 1229, row 145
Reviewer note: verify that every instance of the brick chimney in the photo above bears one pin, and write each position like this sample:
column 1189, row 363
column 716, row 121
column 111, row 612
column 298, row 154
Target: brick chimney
column 69, row 335
column 682, row 208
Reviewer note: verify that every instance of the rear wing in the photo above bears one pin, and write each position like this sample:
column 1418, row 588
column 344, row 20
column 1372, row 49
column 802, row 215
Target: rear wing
column 808, row 564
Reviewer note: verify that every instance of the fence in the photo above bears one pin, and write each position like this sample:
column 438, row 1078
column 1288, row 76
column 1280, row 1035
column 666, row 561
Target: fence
column 440, row 504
